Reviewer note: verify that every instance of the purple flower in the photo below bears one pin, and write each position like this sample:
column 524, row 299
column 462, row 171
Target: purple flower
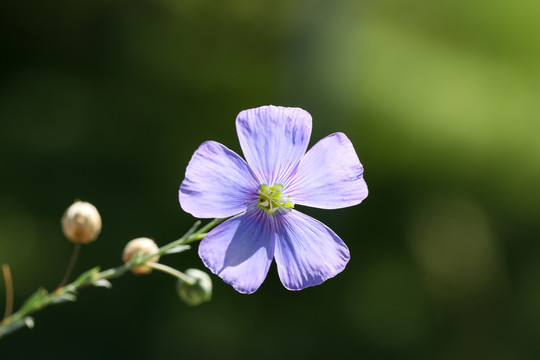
column 260, row 195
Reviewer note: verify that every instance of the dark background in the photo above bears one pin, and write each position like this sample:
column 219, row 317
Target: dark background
column 105, row 101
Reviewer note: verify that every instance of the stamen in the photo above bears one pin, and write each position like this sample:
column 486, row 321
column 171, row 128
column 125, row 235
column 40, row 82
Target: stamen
column 271, row 199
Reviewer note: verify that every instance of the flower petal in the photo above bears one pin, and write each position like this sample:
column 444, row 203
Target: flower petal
column 273, row 140
column 329, row 176
column 240, row 250
column 307, row 251
column 218, row 183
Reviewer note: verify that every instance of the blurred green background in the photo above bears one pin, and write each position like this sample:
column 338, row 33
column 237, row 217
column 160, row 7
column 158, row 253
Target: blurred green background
column 105, row 101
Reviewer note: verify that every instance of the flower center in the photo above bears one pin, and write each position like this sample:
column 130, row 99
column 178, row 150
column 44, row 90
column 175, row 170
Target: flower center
column 271, row 199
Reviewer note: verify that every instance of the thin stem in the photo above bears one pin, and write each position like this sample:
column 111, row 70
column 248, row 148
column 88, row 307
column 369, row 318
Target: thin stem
column 169, row 270
column 42, row 298
column 210, row 225
column 9, row 290
column 72, row 261
column 201, row 233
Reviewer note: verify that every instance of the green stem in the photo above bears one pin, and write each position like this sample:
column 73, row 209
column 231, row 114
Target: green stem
column 42, row 298
column 169, row 270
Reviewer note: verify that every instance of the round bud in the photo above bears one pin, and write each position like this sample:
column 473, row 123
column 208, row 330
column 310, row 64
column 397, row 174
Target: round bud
column 81, row 222
column 143, row 246
column 195, row 292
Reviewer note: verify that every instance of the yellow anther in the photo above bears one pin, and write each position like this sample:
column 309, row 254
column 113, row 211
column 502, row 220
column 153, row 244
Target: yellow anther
column 272, row 200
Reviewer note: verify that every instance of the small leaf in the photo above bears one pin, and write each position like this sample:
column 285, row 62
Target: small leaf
column 177, row 249
column 102, row 283
column 69, row 289
column 12, row 327
column 34, row 300
column 87, row 277
column 29, row 322
column 64, row 298
column 192, row 229
column 135, row 259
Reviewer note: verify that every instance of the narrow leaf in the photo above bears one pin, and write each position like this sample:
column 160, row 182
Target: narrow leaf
column 192, row 229
column 102, row 283
column 64, row 298
column 177, row 249
column 87, row 277
column 29, row 322
column 12, row 327
column 34, row 300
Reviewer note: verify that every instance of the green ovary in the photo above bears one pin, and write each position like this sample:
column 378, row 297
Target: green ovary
column 271, row 199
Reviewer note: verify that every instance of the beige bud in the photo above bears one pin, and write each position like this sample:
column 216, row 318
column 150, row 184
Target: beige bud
column 81, row 222
column 144, row 246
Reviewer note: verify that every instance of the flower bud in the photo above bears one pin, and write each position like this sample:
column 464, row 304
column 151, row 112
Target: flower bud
column 197, row 292
column 144, row 246
column 81, row 222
